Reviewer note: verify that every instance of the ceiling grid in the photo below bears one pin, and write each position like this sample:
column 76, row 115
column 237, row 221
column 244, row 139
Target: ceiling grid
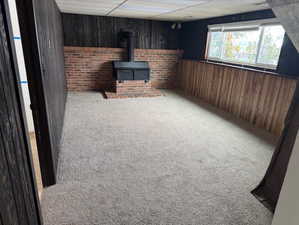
column 169, row 10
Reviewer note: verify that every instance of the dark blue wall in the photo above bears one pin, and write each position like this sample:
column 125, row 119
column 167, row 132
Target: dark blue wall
column 193, row 39
column 289, row 59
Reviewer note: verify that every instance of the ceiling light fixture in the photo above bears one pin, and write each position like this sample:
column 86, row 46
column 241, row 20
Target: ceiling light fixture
column 176, row 25
column 179, row 26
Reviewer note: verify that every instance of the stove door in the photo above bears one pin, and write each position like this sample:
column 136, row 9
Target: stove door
column 141, row 74
column 125, row 74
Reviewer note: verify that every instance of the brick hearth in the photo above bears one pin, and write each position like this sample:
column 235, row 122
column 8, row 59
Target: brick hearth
column 132, row 89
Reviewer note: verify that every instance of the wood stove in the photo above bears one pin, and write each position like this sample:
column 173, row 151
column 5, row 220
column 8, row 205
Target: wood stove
column 132, row 78
column 130, row 69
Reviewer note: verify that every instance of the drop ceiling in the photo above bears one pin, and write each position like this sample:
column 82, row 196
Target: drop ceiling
column 170, row 10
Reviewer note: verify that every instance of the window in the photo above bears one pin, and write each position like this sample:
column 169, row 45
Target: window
column 252, row 44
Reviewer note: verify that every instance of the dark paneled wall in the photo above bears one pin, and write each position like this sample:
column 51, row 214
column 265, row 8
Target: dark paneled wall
column 50, row 33
column 193, row 39
column 101, row 31
column 52, row 52
column 18, row 198
column 44, row 56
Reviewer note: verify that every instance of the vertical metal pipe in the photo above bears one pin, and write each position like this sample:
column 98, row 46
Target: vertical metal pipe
column 130, row 46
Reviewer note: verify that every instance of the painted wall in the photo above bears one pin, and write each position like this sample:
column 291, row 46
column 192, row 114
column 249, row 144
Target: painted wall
column 193, row 39
column 193, row 36
column 21, row 63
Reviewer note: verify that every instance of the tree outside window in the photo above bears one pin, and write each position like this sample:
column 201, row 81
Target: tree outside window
column 260, row 46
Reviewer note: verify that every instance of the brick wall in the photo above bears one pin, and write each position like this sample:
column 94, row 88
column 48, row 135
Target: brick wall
column 90, row 69
column 132, row 87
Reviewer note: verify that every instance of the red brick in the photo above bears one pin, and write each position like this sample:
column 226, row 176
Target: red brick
column 89, row 68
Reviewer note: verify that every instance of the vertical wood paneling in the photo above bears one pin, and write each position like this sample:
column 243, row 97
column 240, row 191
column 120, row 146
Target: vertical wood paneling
column 42, row 38
column 258, row 97
column 18, row 199
column 50, row 33
column 101, row 31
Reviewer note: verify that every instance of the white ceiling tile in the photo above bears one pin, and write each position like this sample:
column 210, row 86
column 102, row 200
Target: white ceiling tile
column 214, row 9
column 172, row 10
column 86, row 12
column 90, row 1
column 174, row 2
column 140, row 9
column 148, row 6
column 92, row 7
column 152, row 8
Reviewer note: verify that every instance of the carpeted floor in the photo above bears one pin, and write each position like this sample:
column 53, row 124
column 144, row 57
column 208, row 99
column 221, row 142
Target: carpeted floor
column 165, row 161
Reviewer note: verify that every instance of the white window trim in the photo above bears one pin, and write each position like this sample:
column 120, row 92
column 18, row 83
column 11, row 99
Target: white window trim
column 248, row 25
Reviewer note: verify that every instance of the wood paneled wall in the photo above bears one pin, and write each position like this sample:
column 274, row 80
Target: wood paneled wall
column 18, row 199
column 50, row 34
column 102, row 31
column 42, row 39
column 260, row 98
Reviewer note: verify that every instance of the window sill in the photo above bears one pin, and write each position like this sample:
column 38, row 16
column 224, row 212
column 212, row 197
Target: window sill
column 265, row 71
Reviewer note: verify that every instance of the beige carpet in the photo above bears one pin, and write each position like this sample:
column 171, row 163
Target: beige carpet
column 165, row 161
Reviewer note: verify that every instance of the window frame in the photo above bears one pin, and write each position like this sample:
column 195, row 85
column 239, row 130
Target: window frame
column 243, row 26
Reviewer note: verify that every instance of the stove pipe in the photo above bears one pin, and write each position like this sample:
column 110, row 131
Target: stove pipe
column 128, row 36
